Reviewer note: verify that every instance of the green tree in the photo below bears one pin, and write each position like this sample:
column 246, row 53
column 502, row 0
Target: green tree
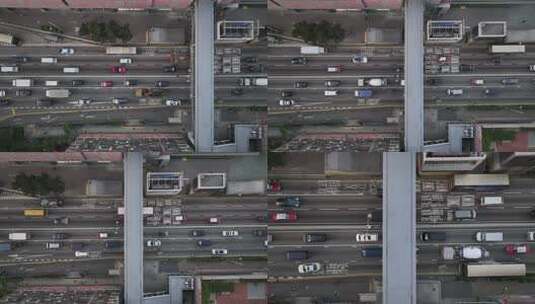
column 42, row 184
column 84, row 29
column 321, row 33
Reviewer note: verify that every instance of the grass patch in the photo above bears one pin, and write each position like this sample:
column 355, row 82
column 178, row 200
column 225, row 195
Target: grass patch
column 492, row 135
column 214, row 287
column 13, row 139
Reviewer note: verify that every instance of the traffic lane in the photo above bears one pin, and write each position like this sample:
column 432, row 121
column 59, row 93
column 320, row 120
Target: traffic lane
column 225, row 216
column 503, row 215
column 103, row 58
column 50, row 116
column 87, row 50
column 310, row 202
column 310, row 70
column 334, row 217
column 227, row 206
column 340, row 238
column 95, row 268
column 428, row 254
column 68, row 203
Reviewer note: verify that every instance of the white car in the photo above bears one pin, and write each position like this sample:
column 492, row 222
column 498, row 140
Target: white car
column 154, row 243
column 230, row 233
column 219, row 251
column 286, row 102
column 172, row 102
column 81, row 254
column 478, row 81
column 309, row 268
column 2, row 93
column 66, row 51
column 531, row 236
column 103, row 235
column 366, row 237
column 125, row 60
column 454, row 92
column 359, row 59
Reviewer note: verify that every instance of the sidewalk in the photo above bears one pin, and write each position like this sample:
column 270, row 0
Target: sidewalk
column 69, row 21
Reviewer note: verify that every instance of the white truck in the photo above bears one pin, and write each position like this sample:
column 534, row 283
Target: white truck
column 474, row 253
column 9, row 69
column 60, row 93
column 376, row 82
column 19, row 236
column 22, row 83
column 251, row 81
column 491, row 200
column 51, row 83
column 312, row 50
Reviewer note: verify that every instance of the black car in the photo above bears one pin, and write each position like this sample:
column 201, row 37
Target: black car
column 314, row 237
column 197, row 233
column 20, row 59
column 77, row 82
column 255, row 68
column 169, row 69
column 43, row 102
column 289, row 202
column 130, row 83
column 489, row 92
column 204, row 243
column 298, row 60
column 287, row 93
column 161, row 83
column 249, row 59
column 433, row 236
column 432, row 81
column 113, row 244
column 236, row 91
column 260, row 233
column 4, row 102
column 77, row 246
column 301, row 84
column 23, row 93
column 59, row 236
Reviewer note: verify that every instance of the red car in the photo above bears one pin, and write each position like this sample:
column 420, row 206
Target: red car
column 274, row 186
column 517, row 249
column 289, row 216
column 118, row 69
column 106, row 83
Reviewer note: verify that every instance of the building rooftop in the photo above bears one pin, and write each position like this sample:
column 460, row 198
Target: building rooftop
column 98, row 4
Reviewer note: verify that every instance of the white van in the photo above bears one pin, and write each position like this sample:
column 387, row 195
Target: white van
column 51, row 83
column 491, row 200
column 81, row 254
column 53, row 245
column 125, row 60
column 9, row 69
column 489, row 236
column 71, row 70
column 49, row 60
column 331, row 93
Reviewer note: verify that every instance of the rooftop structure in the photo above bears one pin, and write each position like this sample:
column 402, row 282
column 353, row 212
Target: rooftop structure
column 342, row 142
column 491, row 29
column 61, row 157
column 445, row 30
column 236, row 31
column 461, row 139
column 64, row 294
column 211, row 181
column 164, row 183
column 513, row 162
column 160, row 35
column 451, row 162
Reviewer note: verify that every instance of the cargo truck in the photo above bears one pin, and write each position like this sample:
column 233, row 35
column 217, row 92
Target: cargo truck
column 61, row 93
column 35, row 212
column 144, row 92
column 312, row 50
column 22, row 83
column 249, row 81
column 19, row 236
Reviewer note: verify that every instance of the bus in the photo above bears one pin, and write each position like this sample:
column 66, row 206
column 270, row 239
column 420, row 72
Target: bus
column 507, row 49
column 146, row 211
column 121, row 50
column 7, row 39
column 494, row 270
column 34, row 212
column 488, row 182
